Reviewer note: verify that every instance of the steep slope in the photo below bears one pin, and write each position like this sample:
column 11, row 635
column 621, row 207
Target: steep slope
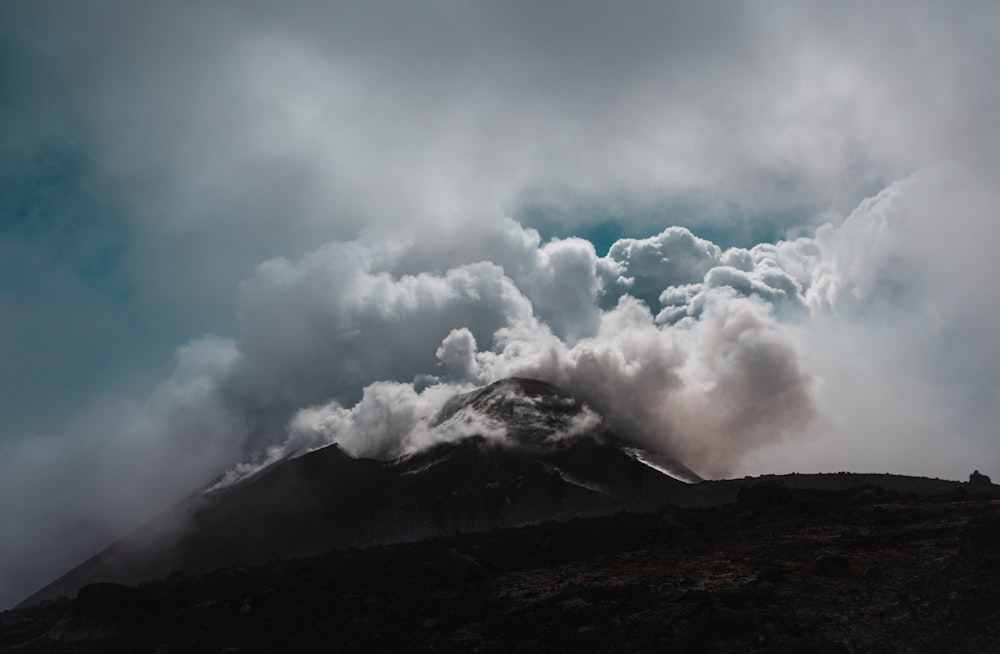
column 294, row 507
column 327, row 499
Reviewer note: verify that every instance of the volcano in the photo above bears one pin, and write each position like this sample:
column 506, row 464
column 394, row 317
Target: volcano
column 542, row 454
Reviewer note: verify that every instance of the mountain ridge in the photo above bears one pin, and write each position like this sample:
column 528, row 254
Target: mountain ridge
column 327, row 498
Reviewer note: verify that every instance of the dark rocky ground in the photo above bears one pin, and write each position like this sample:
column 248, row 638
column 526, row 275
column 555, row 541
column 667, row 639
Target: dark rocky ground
column 828, row 563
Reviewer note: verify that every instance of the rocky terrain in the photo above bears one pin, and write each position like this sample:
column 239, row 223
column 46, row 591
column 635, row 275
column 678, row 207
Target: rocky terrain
column 548, row 531
column 821, row 563
column 326, row 498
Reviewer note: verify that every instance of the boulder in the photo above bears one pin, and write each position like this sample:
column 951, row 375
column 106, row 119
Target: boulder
column 978, row 480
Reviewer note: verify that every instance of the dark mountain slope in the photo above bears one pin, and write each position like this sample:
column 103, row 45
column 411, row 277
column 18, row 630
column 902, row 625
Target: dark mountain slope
column 327, row 499
column 822, row 563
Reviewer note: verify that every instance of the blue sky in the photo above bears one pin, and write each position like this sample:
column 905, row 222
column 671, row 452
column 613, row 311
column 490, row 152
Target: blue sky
column 237, row 225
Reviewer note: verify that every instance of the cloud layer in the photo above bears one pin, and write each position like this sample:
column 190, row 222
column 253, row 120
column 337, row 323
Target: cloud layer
column 157, row 154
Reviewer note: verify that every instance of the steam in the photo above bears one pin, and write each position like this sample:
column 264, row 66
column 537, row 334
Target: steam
column 738, row 371
column 706, row 389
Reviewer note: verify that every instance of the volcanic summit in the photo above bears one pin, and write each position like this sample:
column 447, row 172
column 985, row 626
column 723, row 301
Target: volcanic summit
column 531, row 433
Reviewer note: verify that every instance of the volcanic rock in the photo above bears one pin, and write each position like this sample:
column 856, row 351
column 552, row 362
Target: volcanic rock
column 832, row 566
column 327, row 498
column 596, row 585
column 457, row 568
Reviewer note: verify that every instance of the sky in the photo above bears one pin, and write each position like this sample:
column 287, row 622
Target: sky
column 760, row 236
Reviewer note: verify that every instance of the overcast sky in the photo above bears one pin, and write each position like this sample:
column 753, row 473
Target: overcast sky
column 763, row 235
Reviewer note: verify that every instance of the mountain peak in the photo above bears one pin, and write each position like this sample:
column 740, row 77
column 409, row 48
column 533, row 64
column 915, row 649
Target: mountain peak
column 328, row 499
column 531, row 412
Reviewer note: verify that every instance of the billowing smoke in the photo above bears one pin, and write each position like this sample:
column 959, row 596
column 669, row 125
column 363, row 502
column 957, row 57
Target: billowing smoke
column 733, row 360
column 337, row 345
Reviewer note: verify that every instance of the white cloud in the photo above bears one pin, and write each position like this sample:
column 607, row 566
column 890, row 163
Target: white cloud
column 458, row 355
column 644, row 267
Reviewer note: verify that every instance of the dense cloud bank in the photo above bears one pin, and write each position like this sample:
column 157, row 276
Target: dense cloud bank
column 156, row 153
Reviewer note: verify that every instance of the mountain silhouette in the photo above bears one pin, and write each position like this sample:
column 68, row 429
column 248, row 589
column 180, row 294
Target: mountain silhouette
column 542, row 453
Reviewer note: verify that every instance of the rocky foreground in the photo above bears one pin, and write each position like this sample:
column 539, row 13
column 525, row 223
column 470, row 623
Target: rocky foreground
column 774, row 565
